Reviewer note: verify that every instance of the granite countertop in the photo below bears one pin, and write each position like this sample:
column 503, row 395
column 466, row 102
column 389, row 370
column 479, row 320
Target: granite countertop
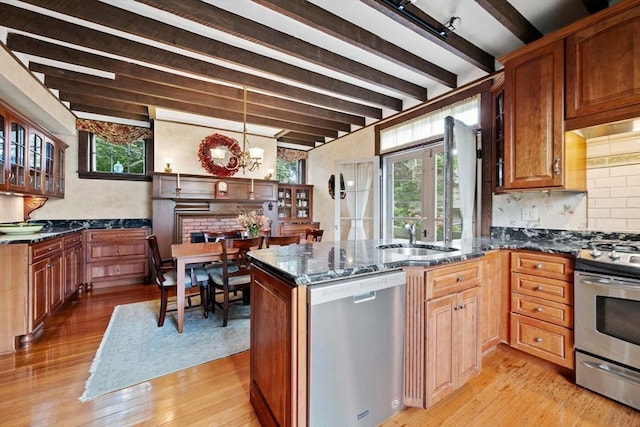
column 313, row 263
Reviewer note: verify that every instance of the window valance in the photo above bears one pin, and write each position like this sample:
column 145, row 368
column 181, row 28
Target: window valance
column 115, row 133
column 288, row 155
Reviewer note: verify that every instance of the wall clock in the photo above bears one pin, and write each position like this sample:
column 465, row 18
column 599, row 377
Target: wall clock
column 222, row 190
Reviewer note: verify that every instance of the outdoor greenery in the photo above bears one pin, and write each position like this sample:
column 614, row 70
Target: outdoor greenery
column 286, row 172
column 107, row 157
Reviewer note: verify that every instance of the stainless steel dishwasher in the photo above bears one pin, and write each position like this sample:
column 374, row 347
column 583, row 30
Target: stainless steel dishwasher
column 356, row 350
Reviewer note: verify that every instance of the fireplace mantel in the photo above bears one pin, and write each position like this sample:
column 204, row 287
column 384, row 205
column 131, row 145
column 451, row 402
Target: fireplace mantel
column 177, row 197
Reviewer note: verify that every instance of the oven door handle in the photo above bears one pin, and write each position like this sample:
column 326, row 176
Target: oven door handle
column 625, row 374
column 597, row 282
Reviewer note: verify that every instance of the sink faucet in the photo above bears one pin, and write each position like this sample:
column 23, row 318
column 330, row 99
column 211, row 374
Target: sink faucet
column 411, row 229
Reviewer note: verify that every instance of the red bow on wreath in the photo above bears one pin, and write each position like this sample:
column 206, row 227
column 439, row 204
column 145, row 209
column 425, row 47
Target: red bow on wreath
column 214, row 141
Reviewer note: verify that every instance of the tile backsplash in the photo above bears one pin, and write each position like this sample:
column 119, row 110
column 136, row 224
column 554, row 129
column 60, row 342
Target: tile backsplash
column 612, row 201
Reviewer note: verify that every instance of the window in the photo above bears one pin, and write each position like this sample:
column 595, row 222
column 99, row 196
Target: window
column 101, row 159
column 287, row 172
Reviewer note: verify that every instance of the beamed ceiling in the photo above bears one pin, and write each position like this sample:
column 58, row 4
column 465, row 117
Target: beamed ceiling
column 313, row 70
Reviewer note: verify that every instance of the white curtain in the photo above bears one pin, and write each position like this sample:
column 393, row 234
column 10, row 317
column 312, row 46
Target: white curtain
column 465, row 143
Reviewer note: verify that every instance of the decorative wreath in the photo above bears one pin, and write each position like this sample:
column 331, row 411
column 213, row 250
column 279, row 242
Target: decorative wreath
column 213, row 141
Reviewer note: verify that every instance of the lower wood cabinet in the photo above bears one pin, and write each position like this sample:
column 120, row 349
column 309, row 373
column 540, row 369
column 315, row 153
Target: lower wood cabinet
column 296, row 228
column 116, row 257
column 442, row 342
column 494, row 300
column 46, row 272
column 542, row 306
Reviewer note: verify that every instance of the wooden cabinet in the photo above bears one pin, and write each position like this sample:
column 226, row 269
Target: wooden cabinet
column 442, row 345
column 31, row 161
column 116, row 256
column 295, row 202
column 603, row 70
column 494, row 300
column 497, row 101
column 278, row 389
column 72, row 263
column 296, row 228
column 536, row 154
column 46, row 280
column 542, row 306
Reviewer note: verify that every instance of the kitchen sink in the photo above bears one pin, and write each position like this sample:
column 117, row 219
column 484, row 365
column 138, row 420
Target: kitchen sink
column 416, row 249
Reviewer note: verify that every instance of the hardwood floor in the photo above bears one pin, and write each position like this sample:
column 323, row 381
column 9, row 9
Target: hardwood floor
column 40, row 386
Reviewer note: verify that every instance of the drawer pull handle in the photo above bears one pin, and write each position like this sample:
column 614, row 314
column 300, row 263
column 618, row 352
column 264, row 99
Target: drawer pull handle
column 537, row 339
column 538, row 266
column 539, row 309
column 459, row 279
column 538, row 288
column 49, row 248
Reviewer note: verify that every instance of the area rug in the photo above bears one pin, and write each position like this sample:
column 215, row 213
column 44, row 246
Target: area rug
column 134, row 349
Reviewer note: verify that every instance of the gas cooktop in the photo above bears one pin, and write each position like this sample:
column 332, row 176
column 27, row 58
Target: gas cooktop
column 610, row 256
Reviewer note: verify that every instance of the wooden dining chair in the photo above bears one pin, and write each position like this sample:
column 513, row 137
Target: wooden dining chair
column 166, row 279
column 233, row 274
column 314, row 235
column 282, row 240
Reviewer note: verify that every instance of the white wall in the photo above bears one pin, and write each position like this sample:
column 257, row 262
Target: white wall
column 321, row 165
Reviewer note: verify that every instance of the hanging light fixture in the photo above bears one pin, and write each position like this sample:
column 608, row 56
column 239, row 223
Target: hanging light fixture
column 248, row 158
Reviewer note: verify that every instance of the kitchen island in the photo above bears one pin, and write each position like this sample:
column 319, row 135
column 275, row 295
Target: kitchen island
column 280, row 312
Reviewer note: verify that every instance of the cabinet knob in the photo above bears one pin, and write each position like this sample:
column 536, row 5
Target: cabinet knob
column 537, row 266
column 538, row 309
column 459, row 279
column 537, row 339
column 538, row 288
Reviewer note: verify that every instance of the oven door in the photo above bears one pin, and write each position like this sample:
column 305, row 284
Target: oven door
column 607, row 317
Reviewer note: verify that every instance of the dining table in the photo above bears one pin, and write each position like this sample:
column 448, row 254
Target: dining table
column 193, row 253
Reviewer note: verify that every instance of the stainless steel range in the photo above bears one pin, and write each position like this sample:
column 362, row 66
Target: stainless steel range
column 607, row 320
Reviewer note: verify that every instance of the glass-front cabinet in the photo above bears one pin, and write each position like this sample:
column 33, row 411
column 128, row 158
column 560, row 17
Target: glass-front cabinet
column 295, row 202
column 31, row 162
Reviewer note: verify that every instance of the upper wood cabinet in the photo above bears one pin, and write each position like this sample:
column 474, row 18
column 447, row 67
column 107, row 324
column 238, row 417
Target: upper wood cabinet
column 31, row 161
column 603, row 71
column 537, row 152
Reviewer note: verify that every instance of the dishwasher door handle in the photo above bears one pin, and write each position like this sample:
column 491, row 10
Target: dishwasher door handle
column 357, row 299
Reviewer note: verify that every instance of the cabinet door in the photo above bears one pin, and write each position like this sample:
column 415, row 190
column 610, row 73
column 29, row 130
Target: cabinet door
column 494, row 296
column 55, row 282
column 441, row 338
column 36, row 148
column 603, row 70
column 71, row 275
column 467, row 351
column 17, row 156
column 4, row 172
column 533, row 119
column 39, row 293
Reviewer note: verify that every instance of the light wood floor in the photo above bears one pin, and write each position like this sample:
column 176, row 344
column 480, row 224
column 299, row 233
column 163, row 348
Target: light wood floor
column 40, row 386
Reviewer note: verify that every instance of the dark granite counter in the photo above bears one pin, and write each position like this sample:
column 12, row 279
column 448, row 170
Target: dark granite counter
column 308, row 263
column 57, row 228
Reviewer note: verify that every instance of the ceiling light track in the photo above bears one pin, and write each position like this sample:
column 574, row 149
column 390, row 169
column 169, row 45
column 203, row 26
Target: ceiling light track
column 441, row 32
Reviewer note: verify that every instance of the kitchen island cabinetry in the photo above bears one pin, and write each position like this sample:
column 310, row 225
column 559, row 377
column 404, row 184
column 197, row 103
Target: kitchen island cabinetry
column 278, row 384
column 116, row 257
column 442, row 345
column 494, row 300
column 72, row 263
column 542, row 306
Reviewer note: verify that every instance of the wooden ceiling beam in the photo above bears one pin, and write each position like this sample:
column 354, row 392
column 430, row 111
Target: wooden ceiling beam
column 108, row 112
column 62, row 54
column 316, row 17
column 133, row 85
column 72, row 86
column 114, row 17
column 34, row 23
column 511, row 19
column 594, row 6
column 410, row 16
column 319, row 18
column 109, row 104
column 305, row 143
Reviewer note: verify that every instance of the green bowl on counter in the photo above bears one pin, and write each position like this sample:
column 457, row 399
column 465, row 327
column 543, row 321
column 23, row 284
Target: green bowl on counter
column 21, row 228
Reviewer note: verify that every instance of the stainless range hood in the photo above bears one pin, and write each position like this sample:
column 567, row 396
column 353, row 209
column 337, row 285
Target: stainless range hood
column 615, row 128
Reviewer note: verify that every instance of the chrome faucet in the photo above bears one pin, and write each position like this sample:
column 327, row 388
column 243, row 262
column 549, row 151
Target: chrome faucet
column 411, row 230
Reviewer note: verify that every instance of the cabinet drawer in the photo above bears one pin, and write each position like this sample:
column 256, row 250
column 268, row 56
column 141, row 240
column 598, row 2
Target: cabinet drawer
column 553, row 266
column 542, row 287
column 549, row 311
column 46, row 248
column 104, row 251
column 442, row 281
column 71, row 240
column 550, row 342
column 122, row 270
column 116, row 234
